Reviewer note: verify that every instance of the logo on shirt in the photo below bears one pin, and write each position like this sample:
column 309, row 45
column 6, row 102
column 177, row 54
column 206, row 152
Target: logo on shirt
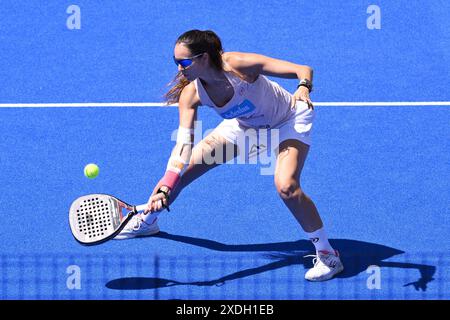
column 239, row 110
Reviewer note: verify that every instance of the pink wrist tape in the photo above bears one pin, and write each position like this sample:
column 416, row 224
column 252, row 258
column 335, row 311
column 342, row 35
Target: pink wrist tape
column 170, row 179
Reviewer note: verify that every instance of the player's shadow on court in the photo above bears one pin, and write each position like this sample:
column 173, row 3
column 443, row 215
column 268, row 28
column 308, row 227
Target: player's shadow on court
column 356, row 256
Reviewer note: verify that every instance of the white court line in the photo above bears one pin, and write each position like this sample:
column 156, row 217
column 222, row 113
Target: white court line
column 158, row 104
column 382, row 104
column 82, row 105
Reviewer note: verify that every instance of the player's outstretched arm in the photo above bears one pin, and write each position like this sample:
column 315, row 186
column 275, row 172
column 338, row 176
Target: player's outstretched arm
column 181, row 153
column 252, row 65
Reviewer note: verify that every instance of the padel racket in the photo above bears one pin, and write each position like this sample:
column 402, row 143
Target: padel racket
column 96, row 218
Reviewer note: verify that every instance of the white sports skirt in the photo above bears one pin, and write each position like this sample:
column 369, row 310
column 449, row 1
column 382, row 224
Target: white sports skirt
column 298, row 126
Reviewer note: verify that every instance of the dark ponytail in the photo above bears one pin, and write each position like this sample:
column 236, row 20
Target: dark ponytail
column 197, row 42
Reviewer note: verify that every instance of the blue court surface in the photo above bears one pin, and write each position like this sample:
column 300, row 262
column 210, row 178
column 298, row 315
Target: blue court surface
column 379, row 175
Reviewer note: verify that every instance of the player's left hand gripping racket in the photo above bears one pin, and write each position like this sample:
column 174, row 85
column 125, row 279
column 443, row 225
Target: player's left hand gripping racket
column 96, row 218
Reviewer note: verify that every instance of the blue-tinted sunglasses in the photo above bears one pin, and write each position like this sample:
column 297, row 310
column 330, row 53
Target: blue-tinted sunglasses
column 184, row 63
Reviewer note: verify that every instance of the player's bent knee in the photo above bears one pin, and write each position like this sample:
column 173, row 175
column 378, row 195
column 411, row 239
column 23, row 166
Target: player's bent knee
column 288, row 189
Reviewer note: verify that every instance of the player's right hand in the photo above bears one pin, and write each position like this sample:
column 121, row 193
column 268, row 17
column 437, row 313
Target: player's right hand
column 156, row 202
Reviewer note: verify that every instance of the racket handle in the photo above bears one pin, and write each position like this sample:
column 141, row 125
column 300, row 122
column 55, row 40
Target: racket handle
column 142, row 207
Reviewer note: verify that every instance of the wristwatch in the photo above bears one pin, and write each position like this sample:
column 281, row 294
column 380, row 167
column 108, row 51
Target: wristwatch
column 305, row 83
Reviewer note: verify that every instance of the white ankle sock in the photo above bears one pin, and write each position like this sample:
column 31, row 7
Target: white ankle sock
column 320, row 240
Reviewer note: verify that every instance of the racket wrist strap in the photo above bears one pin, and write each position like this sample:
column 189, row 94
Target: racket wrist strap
column 167, row 198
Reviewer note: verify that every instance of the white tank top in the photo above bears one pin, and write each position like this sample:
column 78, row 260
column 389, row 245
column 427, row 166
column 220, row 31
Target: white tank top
column 261, row 104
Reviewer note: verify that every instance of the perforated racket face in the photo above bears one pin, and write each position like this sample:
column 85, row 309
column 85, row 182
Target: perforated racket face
column 95, row 217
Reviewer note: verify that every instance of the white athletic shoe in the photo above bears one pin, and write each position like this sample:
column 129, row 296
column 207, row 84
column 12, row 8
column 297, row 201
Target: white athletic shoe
column 137, row 227
column 326, row 266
